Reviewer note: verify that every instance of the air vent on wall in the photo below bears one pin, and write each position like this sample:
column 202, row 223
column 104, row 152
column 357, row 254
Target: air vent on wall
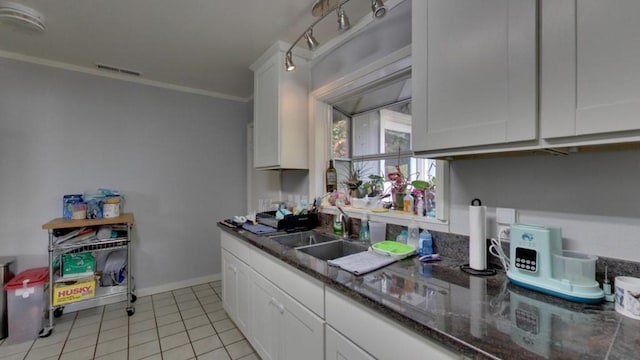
column 118, row 70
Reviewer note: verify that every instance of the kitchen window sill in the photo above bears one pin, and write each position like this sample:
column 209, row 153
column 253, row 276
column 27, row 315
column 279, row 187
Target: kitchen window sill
column 391, row 217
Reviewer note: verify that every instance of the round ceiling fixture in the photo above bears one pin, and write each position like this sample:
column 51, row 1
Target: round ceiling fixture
column 20, row 16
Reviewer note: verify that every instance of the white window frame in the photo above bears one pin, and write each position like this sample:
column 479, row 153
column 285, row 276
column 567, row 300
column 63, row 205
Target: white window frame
column 320, row 116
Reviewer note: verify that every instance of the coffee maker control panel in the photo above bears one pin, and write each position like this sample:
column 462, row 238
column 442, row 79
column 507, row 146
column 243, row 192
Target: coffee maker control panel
column 526, row 259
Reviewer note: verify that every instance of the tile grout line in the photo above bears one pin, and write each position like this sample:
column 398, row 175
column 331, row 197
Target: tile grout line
column 153, row 308
column 95, row 349
column 66, row 338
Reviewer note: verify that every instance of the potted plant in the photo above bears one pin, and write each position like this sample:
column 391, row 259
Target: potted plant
column 399, row 186
column 354, row 179
column 375, row 185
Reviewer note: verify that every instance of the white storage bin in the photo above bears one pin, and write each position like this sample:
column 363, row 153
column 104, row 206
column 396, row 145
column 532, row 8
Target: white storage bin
column 26, row 302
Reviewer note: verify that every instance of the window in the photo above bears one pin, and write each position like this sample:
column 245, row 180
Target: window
column 381, row 148
column 363, row 122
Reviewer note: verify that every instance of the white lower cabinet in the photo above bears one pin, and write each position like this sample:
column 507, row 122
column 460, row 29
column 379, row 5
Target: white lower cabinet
column 282, row 327
column 236, row 277
column 278, row 326
column 288, row 315
column 383, row 339
column 235, row 293
column 339, row 347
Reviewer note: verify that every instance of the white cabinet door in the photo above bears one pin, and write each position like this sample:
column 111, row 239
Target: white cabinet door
column 265, row 318
column 302, row 331
column 340, row 348
column 229, row 283
column 282, row 328
column 590, row 60
column 474, row 72
column 235, row 290
column 280, row 112
column 266, row 135
column 243, row 294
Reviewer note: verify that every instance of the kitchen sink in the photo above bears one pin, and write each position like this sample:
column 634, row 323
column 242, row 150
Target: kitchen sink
column 303, row 238
column 333, row 249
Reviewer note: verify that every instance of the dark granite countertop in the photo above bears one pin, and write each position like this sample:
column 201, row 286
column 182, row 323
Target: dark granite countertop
column 480, row 317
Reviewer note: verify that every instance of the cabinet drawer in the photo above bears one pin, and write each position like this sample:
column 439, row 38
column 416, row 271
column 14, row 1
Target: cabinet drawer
column 235, row 246
column 382, row 338
column 300, row 286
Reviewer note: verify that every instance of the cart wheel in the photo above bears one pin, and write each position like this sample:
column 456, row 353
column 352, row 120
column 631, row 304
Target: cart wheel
column 133, row 298
column 45, row 332
column 131, row 311
column 57, row 312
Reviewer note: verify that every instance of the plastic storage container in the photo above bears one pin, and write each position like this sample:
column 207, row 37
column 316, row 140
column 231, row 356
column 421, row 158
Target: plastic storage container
column 26, row 304
column 578, row 268
column 413, row 236
column 365, row 235
column 5, row 276
column 377, row 231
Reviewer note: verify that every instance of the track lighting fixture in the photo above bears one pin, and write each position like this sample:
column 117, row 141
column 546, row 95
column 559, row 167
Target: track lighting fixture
column 378, row 8
column 343, row 20
column 321, row 9
column 312, row 43
column 288, row 62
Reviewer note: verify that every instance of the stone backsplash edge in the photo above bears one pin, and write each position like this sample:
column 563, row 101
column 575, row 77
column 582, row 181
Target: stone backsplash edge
column 456, row 247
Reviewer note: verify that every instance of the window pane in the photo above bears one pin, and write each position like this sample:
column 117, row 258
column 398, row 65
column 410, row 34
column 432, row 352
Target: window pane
column 340, row 135
column 396, row 141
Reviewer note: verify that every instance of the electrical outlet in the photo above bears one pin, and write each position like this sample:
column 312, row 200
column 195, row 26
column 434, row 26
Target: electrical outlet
column 505, row 216
column 504, row 232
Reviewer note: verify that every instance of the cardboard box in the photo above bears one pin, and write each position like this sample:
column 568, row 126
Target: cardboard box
column 75, row 290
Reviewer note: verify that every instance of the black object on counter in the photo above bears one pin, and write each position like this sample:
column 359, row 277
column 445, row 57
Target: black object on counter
column 290, row 223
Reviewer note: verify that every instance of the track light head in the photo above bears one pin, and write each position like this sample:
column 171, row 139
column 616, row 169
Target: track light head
column 312, row 43
column 378, row 8
column 343, row 20
column 288, row 62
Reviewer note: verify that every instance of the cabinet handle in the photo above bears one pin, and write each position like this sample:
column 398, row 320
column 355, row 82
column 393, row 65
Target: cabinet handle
column 278, row 306
column 232, row 268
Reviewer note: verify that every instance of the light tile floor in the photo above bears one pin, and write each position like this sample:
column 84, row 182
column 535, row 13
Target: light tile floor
column 183, row 324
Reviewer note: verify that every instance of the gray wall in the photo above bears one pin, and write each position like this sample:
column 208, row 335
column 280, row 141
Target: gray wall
column 593, row 197
column 178, row 158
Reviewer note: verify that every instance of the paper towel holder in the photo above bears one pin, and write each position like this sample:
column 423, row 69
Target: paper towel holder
column 466, row 267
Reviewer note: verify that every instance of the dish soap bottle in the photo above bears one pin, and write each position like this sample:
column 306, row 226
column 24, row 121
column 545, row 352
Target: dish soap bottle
column 364, row 230
column 426, row 244
column 408, row 203
column 337, row 226
column 413, row 234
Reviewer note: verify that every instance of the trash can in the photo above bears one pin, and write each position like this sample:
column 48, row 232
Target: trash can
column 26, row 304
column 6, row 274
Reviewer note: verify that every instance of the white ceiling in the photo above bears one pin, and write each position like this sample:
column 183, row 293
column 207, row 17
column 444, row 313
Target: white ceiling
column 204, row 45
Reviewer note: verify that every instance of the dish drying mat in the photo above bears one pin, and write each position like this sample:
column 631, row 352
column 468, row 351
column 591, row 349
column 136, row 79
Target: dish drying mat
column 362, row 262
column 258, row 229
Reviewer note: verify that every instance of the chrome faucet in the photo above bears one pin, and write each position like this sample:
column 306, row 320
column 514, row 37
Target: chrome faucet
column 344, row 219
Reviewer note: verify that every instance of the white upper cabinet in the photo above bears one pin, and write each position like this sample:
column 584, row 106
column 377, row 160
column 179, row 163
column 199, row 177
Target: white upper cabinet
column 474, row 73
column 280, row 111
column 590, row 67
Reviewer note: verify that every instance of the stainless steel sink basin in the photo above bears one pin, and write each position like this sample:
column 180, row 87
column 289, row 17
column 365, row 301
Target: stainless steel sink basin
column 333, row 249
column 303, row 238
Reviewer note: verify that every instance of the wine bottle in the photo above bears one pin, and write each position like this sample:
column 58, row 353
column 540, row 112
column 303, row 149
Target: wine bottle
column 331, row 177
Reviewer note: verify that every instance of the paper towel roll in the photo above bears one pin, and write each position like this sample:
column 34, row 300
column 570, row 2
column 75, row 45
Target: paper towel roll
column 477, row 237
